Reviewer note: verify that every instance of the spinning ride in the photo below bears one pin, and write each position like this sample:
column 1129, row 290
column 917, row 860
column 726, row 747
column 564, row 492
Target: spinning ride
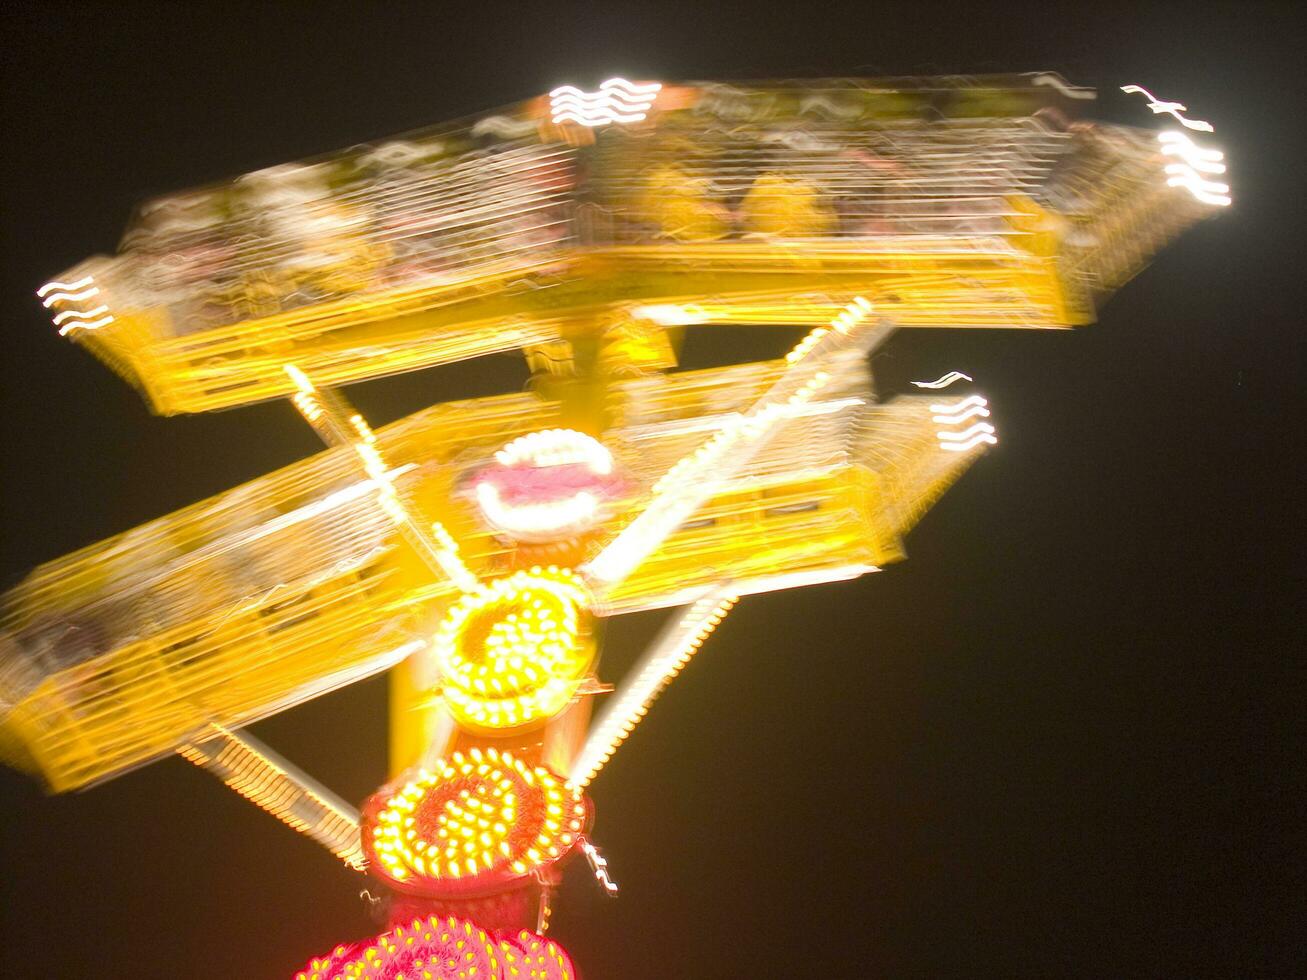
column 471, row 547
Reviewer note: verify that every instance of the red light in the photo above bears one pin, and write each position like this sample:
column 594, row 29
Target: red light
column 444, row 949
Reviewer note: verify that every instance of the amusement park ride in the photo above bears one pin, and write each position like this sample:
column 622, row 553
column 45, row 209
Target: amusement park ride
column 471, row 548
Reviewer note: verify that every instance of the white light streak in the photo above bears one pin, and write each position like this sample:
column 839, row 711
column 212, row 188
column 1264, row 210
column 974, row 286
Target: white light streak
column 616, row 101
column 69, row 286
column 1200, row 158
column 1206, row 191
column 1057, row 83
column 961, row 447
column 435, row 546
column 670, row 315
column 972, row 407
column 673, row 649
column 702, row 473
column 1171, row 108
column 53, row 298
column 556, row 516
column 504, row 126
column 301, row 379
column 599, row 865
column 330, row 502
column 965, row 403
column 975, row 411
column 266, row 779
column 557, row 447
column 979, row 427
column 79, row 315
column 798, row 580
column 748, row 586
column 90, row 325
column 943, row 382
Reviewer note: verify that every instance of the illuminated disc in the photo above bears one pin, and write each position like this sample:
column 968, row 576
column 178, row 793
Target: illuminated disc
column 444, row 948
column 481, row 822
column 512, row 652
column 546, row 485
column 439, row 948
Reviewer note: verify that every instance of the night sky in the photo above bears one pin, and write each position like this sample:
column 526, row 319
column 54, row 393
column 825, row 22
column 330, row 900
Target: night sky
column 1057, row 741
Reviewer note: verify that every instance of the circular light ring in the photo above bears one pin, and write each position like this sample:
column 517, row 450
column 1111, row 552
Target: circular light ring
column 480, row 823
column 512, row 652
column 444, row 948
column 547, row 484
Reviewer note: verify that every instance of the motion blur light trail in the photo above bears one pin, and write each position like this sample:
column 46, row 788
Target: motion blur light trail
column 472, row 548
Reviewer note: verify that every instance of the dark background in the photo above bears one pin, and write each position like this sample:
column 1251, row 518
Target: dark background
column 1056, row 742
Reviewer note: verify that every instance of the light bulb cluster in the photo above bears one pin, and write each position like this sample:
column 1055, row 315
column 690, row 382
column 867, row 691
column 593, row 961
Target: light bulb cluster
column 512, row 652
column 478, row 822
column 954, row 440
column 844, row 321
column 557, row 447
column 444, row 948
column 546, row 484
column 660, row 667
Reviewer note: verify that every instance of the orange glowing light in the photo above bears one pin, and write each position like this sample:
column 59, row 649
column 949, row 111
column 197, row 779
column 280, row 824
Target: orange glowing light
column 512, row 653
column 480, row 822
